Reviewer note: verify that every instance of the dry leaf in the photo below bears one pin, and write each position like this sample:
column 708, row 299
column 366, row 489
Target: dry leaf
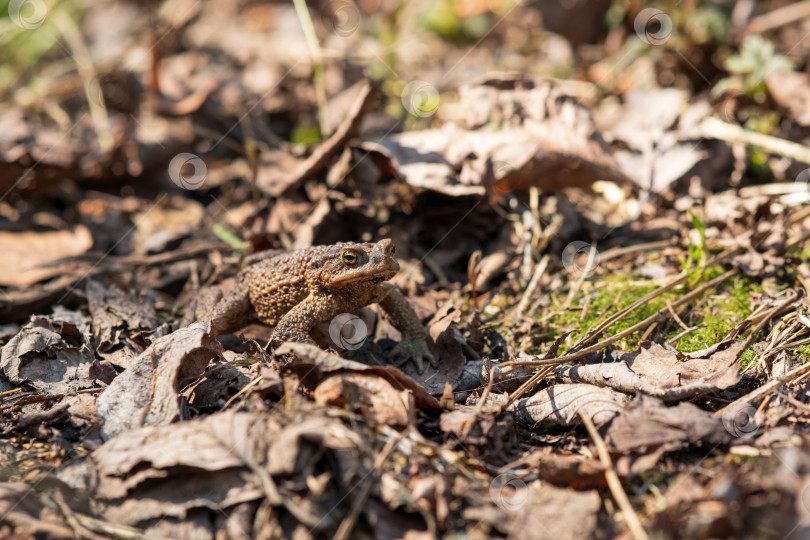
column 791, row 90
column 25, row 253
column 658, row 372
column 326, row 362
column 488, row 437
column 647, row 423
column 147, row 392
column 543, row 138
column 560, row 404
column 50, row 355
column 157, row 472
column 373, row 397
column 28, row 515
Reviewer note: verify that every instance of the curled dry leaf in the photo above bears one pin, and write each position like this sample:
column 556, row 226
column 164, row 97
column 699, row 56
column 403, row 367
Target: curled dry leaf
column 157, row 472
column 538, row 510
column 657, row 155
column 324, row 362
column 647, row 423
column 113, row 311
column 559, row 404
column 791, row 91
column 485, row 436
column 449, row 351
column 564, row 469
column 545, row 138
column 372, row 396
column 658, row 372
column 52, row 356
column 165, row 224
column 559, row 513
column 147, row 392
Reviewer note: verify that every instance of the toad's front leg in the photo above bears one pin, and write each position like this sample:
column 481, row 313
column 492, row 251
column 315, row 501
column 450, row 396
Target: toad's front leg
column 413, row 345
column 297, row 323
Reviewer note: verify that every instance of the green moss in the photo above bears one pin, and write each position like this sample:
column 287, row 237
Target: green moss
column 716, row 313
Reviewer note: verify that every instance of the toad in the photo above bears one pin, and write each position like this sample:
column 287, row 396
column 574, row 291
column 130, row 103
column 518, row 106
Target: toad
column 295, row 291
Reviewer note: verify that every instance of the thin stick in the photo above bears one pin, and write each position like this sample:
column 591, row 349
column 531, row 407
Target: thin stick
column 717, row 129
column 317, row 63
column 613, row 482
column 771, row 314
column 767, row 388
column 344, row 531
column 675, row 316
column 538, row 273
column 621, row 335
column 650, row 246
column 792, row 13
column 87, row 73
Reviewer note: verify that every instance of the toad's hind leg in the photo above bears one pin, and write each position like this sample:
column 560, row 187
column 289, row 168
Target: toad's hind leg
column 231, row 313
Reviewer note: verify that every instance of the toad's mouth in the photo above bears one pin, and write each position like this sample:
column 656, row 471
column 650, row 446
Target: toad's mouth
column 360, row 276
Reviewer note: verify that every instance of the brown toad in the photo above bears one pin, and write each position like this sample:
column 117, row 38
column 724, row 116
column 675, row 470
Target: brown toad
column 297, row 290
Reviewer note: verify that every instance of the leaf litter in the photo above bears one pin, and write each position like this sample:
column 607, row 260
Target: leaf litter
column 611, row 267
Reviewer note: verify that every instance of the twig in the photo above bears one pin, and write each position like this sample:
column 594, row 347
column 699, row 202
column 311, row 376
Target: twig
column 789, row 14
column 767, row 388
column 773, row 312
column 317, row 63
column 612, row 478
column 84, row 65
column 617, row 252
column 538, row 273
column 344, row 531
column 621, row 335
column 686, row 332
column 717, row 129
column 675, row 316
column 79, row 529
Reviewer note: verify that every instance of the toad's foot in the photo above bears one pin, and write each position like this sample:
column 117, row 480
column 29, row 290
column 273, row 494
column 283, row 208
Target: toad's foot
column 412, row 348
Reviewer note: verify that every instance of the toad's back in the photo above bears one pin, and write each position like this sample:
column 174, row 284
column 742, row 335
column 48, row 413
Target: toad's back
column 278, row 284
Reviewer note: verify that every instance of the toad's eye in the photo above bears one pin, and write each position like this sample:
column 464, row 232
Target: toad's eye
column 392, row 251
column 349, row 257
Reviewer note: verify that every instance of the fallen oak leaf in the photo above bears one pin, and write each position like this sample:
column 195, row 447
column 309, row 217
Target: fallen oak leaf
column 545, row 138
